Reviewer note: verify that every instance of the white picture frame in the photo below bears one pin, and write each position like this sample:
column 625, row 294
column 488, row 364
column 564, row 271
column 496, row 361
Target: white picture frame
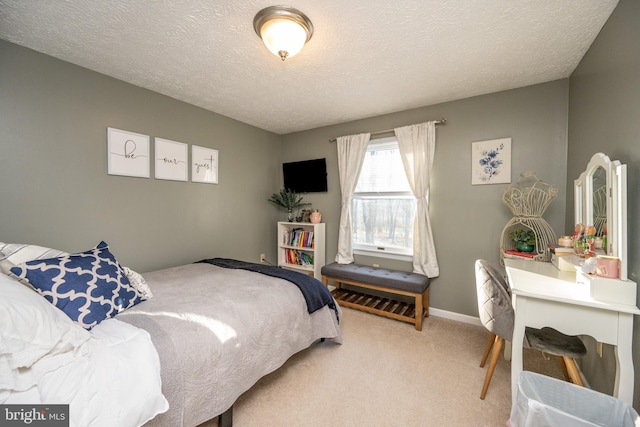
column 204, row 165
column 127, row 153
column 491, row 162
column 171, row 160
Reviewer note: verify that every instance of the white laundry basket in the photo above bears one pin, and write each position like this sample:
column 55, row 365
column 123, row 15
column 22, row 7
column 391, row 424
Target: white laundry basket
column 545, row 401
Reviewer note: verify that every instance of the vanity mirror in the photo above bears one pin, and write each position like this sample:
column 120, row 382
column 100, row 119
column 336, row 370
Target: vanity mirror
column 599, row 191
column 601, row 200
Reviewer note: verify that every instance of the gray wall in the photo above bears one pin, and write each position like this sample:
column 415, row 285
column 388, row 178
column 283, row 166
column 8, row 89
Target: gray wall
column 604, row 116
column 55, row 190
column 467, row 220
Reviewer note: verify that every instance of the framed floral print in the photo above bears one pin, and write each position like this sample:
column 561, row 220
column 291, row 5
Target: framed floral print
column 491, row 162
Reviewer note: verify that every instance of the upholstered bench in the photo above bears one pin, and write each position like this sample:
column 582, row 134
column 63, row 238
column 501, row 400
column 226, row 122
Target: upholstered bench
column 389, row 282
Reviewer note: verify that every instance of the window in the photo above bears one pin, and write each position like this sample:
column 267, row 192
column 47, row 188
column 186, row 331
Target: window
column 383, row 206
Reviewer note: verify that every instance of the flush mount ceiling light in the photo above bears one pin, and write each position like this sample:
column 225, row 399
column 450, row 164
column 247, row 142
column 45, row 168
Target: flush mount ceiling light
column 284, row 30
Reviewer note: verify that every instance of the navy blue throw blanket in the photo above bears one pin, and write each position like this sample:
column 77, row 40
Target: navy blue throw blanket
column 315, row 293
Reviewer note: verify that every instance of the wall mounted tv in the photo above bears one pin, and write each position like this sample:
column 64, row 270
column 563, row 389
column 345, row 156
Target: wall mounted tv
column 307, row 176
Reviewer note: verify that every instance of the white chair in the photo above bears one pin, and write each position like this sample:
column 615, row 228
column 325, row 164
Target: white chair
column 496, row 314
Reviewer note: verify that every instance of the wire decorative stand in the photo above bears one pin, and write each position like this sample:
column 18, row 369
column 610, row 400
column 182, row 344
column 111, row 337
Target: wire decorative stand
column 528, row 199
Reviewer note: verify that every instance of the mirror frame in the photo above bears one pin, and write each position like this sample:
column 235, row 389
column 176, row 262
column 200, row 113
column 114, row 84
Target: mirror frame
column 616, row 177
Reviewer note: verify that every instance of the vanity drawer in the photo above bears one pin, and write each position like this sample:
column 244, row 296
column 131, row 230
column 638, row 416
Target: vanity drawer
column 609, row 290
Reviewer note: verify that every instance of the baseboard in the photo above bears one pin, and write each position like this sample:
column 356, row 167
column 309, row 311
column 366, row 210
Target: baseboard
column 454, row 316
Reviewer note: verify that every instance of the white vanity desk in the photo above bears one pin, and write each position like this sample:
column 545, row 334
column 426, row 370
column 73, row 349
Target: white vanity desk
column 546, row 296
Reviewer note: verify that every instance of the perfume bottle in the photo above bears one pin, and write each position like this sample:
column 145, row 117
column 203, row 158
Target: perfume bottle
column 578, row 239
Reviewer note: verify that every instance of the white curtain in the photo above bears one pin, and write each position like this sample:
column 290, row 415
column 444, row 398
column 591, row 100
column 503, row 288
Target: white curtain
column 351, row 152
column 417, row 145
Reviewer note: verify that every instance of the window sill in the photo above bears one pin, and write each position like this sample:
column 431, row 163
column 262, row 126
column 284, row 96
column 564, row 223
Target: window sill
column 400, row 257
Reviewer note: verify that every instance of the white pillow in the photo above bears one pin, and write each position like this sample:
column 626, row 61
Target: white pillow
column 35, row 336
column 137, row 281
column 17, row 253
column 119, row 384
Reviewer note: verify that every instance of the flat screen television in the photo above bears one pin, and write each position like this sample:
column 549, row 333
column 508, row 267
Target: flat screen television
column 307, row 176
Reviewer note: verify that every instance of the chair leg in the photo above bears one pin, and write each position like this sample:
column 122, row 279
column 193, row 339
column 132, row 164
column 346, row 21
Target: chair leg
column 563, row 366
column 573, row 371
column 487, row 349
column 495, row 355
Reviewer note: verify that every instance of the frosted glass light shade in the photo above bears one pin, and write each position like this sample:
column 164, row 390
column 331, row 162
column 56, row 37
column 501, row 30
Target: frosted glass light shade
column 283, row 38
column 283, row 30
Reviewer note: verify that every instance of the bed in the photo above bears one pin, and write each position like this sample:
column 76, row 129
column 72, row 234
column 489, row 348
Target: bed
column 179, row 357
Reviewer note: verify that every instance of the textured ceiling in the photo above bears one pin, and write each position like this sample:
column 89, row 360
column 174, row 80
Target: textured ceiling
column 366, row 57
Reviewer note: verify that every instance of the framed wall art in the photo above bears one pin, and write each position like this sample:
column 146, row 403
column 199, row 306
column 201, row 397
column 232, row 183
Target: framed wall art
column 172, row 160
column 491, row 162
column 127, row 153
column 204, row 165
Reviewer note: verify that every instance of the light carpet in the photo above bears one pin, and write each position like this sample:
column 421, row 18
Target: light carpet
column 387, row 374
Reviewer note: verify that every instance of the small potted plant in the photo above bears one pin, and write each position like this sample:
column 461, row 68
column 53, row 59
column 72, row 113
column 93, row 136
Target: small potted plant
column 289, row 200
column 525, row 239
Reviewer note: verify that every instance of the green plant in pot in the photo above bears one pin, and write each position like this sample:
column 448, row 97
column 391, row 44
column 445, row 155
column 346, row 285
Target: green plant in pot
column 525, row 239
column 289, row 200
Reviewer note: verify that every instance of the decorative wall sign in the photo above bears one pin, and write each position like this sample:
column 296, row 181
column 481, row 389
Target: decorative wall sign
column 204, row 165
column 172, row 159
column 127, row 153
column 491, row 162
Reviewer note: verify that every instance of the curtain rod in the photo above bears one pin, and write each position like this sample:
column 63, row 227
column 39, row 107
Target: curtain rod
column 438, row 122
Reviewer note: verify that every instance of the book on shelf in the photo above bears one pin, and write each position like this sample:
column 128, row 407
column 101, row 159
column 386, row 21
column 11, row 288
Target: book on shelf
column 560, row 250
column 306, row 259
column 511, row 253
column 298, row 237
column 296, row 257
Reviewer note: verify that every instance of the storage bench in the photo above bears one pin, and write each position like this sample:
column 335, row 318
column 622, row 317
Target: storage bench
column 391, row 282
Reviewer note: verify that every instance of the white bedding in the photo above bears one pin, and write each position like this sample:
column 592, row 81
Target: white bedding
column 113, row 381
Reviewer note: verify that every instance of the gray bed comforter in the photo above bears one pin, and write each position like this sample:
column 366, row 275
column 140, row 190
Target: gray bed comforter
column 218, row 331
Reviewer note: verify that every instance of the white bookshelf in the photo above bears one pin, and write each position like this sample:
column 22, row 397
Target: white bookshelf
column 309, row 255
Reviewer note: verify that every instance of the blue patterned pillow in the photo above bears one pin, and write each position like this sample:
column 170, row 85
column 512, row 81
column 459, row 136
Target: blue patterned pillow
column 89, row 287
